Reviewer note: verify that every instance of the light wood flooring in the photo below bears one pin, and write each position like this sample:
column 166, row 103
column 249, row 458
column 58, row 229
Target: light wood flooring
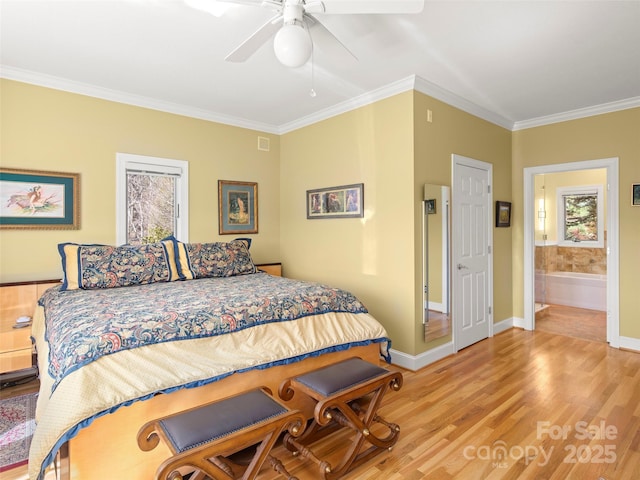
column 573, row 322
column 439, row 325
column 497, row 410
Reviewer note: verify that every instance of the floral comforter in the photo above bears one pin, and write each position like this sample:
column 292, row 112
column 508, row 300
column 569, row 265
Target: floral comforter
column 84, row 325
column 99, row 350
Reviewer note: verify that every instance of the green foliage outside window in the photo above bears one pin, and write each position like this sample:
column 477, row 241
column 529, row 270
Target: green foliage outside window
column 581, row 217
column 156, row 234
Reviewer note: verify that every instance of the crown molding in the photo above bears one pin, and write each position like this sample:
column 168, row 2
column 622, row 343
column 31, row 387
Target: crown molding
column 450, row 98
column 57, row 83
column 412, row 82
column 579, row 113
column 367, row 98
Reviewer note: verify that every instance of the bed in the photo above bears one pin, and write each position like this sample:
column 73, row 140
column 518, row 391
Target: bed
column 135, row 333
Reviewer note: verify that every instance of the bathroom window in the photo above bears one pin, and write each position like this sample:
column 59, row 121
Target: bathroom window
column 580, row 216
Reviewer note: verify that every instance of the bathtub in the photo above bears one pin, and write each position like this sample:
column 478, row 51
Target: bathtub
column 582, row 290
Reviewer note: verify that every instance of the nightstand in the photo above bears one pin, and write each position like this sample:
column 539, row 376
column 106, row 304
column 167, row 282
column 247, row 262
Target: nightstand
column 274, row 269
column 16, row 351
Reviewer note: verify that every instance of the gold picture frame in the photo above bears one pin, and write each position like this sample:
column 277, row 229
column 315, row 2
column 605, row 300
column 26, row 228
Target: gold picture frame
column 36, row 199
column 503, row 214
column 237, row 207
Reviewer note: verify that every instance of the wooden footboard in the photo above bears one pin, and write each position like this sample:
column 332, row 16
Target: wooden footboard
column 109, row 446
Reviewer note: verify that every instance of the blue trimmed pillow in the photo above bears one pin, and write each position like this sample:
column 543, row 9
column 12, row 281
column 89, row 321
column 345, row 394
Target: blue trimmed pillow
column 105, row 266
column 218, row 259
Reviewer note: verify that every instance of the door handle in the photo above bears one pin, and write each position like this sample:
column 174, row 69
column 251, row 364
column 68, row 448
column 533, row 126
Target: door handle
column 461, row 267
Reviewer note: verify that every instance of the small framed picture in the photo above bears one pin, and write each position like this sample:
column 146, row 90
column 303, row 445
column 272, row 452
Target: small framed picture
column 237, row 207
column 635, row 194
column 336, row 202
column 431, row 206
column 503, row 214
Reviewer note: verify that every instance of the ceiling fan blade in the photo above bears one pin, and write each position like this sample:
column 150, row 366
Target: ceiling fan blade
column 218, row 7
column 325, row 41
column 368, row 6
column 256, row 40
column 272, row 4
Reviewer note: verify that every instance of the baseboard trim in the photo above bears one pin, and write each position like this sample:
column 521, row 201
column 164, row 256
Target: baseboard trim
column 519, row 323
column 416, row 362
column 503, row 325
column 629, row 343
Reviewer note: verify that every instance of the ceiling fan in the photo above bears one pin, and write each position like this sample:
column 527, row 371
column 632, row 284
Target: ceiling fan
column 294, row 23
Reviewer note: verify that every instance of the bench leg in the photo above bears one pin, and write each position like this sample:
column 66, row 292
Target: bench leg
column 210, row 461
column 345, row 411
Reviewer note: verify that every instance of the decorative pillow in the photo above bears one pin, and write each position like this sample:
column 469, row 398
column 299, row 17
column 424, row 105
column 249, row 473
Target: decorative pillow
column 178, row 259
column 106, row 266
column 219, row 259
column 247, row 241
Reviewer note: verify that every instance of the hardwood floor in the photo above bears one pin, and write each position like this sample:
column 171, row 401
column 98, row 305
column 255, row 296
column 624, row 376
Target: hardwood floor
column 519, row 405
column 573, row 322
column 514, row 391
column 439, row 325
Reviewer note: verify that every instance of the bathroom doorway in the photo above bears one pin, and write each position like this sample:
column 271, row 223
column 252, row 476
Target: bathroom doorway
column 542, row 230
column 570, row 253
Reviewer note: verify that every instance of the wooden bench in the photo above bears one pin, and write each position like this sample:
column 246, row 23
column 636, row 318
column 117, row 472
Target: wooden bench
column 205, row 438
column 348, row 395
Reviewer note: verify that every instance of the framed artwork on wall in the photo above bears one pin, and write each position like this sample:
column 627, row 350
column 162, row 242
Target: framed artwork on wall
column 635, row 194
column 431, row 206
column 336, row 202
column 33, row 199
column 503, row 214
column 237, row 207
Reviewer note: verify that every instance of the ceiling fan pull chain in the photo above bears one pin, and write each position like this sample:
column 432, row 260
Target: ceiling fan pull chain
column 312, row 92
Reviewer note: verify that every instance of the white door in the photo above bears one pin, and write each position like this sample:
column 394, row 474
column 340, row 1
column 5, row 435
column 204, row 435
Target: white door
column 472, row 236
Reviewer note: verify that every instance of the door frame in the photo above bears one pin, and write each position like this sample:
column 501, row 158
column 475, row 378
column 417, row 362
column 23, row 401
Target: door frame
column 612, row 229
column 455, row 233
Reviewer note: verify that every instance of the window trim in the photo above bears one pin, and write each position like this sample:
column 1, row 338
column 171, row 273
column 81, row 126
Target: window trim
column 180, row 168
column 598, row 190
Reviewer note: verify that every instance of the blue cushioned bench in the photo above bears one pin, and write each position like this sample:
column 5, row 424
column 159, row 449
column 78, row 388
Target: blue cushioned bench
column 205, row 438
column 348, row 395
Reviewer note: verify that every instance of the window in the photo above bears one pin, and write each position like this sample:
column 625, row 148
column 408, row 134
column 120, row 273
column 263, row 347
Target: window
column 151, row 199
column 580, row 216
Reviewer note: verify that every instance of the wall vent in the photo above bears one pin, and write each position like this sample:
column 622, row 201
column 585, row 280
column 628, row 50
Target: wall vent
column 263, row 144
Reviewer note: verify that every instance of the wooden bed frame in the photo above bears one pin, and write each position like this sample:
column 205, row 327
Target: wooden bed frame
column 109, row 443
column 108, row 446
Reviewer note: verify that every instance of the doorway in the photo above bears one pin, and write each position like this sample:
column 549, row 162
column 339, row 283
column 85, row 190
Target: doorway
column 472, row 259
column 569, row 253
column 611, row 228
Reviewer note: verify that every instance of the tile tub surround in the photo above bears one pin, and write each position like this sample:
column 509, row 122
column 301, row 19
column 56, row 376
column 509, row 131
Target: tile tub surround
column 552, row 258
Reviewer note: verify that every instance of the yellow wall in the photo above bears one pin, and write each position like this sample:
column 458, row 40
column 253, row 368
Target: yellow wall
column 454, row 131
column 44, row 129
column 371, row 256
column 392, row 149
column 603, row 136
column 389, row 146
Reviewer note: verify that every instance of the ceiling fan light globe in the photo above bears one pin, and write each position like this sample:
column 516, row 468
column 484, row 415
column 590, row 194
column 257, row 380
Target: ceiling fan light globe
column 292, row 45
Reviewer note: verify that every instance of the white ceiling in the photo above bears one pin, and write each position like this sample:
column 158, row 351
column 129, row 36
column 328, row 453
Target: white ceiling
column 513, row 62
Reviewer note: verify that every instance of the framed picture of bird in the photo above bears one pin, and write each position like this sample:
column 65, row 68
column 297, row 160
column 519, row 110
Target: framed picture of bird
column 32, row 199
